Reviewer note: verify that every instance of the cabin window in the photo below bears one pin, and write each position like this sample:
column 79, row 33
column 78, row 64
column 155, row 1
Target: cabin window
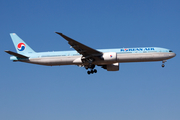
column 170, row 51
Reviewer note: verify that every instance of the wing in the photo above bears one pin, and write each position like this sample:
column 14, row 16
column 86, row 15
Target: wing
column 81, row 48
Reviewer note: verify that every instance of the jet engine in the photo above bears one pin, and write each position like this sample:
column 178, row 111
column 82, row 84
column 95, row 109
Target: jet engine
column 111, row 67
column 109, row 56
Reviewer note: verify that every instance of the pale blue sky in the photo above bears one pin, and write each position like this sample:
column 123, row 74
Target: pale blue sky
column 139, row 91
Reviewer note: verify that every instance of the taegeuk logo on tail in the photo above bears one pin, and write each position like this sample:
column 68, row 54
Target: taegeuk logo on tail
column 21, row 46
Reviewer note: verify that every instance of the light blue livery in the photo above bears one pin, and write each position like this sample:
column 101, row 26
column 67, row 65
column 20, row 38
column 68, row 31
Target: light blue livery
column 87, row 57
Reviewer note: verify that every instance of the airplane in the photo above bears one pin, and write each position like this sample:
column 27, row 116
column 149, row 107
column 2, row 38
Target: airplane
column 87, row 57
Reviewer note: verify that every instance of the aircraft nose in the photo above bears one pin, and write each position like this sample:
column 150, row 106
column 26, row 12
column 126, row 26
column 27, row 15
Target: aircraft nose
column 173, row 54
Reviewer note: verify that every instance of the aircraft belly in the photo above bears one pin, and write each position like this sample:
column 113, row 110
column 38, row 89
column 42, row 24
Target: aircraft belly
column 51, row 61
column 142, row 57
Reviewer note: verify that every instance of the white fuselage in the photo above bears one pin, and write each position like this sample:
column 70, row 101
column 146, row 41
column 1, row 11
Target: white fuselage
column 73, row 58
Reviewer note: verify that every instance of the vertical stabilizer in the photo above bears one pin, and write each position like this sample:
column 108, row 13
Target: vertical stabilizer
column 20, row 46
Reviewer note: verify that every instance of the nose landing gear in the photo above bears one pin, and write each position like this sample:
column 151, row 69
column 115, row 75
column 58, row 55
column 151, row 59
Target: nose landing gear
column 163, row 63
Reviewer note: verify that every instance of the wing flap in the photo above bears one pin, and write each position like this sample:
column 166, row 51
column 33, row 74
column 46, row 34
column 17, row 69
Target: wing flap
column 15, row 54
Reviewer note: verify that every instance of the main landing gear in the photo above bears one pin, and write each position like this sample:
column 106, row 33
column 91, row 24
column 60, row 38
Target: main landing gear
column 91, row 71
column 163, row 63
column 89, row 65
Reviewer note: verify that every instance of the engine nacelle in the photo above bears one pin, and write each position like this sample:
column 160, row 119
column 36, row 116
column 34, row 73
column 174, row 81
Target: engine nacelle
column 111, row 67
column 109, row 56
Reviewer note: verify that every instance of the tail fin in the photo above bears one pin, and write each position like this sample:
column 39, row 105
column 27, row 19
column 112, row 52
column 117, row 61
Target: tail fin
column 20, row 45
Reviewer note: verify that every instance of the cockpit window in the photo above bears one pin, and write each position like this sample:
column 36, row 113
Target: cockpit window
column 170, row 51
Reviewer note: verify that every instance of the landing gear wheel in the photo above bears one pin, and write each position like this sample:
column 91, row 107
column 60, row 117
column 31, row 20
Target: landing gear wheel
column 91, row 71
column 95, row 71
column 91, row 67
column 163, row 65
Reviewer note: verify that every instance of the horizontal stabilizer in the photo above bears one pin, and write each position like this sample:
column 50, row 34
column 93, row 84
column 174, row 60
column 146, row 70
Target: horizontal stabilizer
column 16, row 54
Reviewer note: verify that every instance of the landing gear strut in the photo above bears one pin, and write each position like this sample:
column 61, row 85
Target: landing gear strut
column 163, row 63
column 89, row 65
column 92, row 69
